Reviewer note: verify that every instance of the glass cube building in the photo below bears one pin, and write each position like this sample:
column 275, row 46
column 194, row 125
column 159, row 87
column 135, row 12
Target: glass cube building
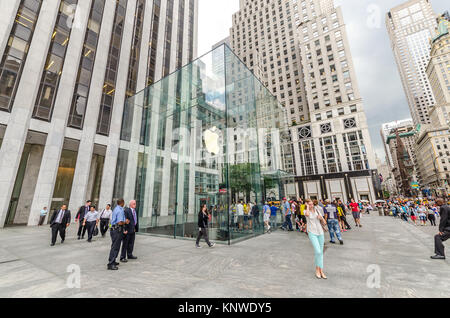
column 209, row 133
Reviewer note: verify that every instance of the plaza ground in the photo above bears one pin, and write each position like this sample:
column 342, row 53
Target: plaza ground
column 275, row 265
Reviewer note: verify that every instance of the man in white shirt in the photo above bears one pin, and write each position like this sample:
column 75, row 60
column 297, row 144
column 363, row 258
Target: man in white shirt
column 240, row 214
column 105, row 218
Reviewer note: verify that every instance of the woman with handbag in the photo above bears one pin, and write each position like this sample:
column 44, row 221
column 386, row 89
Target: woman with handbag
column 91, row 222
column 203, row 218
column 316, row 229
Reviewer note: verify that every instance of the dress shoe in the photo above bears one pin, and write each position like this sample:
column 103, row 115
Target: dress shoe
column 112, row 267
column 342, row 242
column 116, row 264
column 332, row 242
column 437, row 257
column 132, row 257
column 124, row 260
column 53, row 244
column 79, row 237
column 62, row 241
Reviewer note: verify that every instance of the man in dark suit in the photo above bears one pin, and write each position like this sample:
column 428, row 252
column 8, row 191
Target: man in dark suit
column 444, row 230
column 79, row 218
column 131, row 227
column 59, row 221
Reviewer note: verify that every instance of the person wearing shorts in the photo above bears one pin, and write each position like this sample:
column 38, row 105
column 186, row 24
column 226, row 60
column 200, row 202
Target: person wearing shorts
column 356, row 213
column 422, row 215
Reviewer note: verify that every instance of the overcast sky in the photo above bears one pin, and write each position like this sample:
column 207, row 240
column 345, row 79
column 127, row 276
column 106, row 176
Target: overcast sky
column 377, row 74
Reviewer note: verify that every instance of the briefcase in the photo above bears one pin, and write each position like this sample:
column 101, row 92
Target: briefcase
column 95, row 231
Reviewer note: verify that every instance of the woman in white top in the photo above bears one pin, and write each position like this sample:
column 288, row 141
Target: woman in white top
column 314, row 215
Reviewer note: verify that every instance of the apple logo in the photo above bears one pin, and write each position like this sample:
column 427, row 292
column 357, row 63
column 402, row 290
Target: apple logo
column 211, row 138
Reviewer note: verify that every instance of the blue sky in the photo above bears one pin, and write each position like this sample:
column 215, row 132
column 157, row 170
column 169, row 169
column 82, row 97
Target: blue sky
column 377, row 74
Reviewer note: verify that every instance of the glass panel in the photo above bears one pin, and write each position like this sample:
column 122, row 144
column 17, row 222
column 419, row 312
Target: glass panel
column 212, row 135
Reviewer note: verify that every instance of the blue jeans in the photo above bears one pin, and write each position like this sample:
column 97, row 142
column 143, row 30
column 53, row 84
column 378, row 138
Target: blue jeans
column 288, row 222
column 333, row 227
column 317, row 243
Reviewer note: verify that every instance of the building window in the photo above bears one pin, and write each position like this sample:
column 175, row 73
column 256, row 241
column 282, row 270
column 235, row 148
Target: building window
column 54, row 64
column 16, row 51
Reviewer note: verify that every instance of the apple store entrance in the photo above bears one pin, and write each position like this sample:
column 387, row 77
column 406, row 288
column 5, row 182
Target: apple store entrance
column 203, row 135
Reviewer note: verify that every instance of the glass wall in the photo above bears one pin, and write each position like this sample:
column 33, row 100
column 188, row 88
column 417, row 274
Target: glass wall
column 212, row 132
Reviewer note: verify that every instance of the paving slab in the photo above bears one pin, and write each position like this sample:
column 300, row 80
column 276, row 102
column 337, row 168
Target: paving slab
column 387, row 257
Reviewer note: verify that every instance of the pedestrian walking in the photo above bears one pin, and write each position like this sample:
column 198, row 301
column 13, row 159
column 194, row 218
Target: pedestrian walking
column 117, row 232
column 267, row 212
column 59, row 222
column 42, row 216
column 132, row 227
column 444, row 230
column 203, row 218
column 431, row 216
column 240, row 215
column 79, row 218
column 356, row 212
column 273, row 215
column 287, row 225
column 255, row 216
column 105, row 219
column 91, row 222
column 331, row 217
column 313, row 214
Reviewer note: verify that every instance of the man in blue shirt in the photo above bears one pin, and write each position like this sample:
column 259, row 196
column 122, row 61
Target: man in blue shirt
column 273, row 215
column 287, row 214
column 117, row 232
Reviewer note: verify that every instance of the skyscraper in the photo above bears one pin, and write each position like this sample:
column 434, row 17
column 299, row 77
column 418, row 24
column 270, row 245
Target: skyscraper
column 410, row 27
column 67, row 68
column 305, row 55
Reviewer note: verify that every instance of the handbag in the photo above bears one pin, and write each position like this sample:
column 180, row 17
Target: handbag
column 322, row 221
column 95, row 233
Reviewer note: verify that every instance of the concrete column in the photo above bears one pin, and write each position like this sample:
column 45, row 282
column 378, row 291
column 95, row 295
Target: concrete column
column 130, row 182
column 161, row 35
column 29, row 184
column 83, row 174
column 16, row 131
column 8, row 11
column 185, row 59
column 55, row 139
column 112, row 150
column 195, row 53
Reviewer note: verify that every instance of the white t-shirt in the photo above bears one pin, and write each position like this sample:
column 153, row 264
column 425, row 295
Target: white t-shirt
column 240, row 209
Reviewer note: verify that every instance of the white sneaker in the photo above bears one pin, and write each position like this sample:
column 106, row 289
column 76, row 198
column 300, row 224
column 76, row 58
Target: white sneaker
column 212, row 245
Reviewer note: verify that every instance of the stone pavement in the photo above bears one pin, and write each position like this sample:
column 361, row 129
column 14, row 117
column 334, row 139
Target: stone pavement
column 275, row 265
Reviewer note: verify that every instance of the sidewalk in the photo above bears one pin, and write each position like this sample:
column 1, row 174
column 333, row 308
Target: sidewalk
column 275, row 265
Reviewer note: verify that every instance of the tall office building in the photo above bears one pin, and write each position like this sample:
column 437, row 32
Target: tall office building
column 303, row 50
column 410, row 27
column 433, row 144
column 67, row 68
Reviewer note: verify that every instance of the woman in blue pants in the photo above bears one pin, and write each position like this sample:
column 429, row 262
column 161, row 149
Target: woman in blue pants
column 314, row 215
